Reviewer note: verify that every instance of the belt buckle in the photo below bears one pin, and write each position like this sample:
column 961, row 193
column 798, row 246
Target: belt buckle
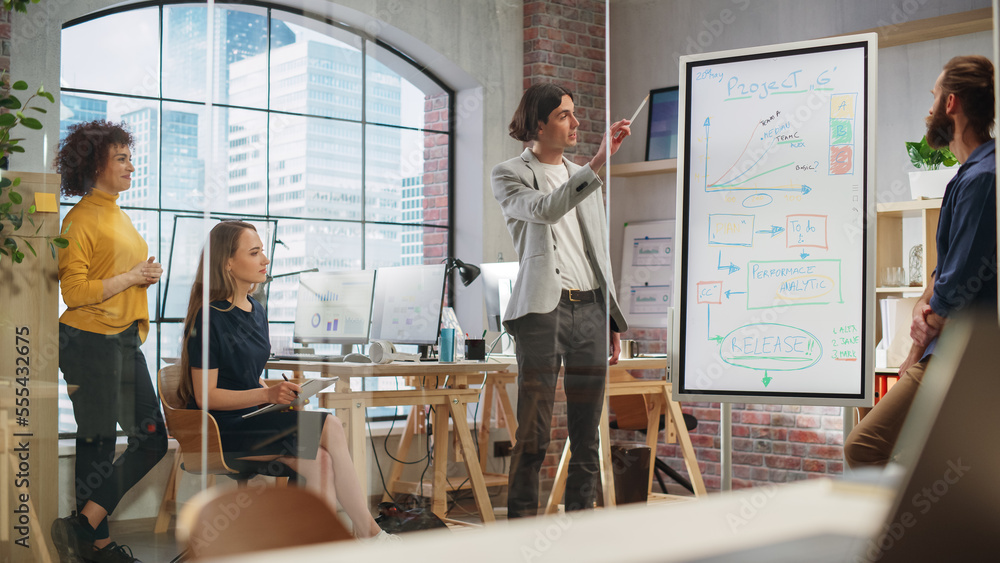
column 571, row 296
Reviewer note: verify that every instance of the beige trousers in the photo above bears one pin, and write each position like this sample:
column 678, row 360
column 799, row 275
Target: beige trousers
column 872, row 440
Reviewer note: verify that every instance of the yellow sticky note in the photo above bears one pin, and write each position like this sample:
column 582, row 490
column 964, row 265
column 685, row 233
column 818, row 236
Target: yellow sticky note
column 46, row 203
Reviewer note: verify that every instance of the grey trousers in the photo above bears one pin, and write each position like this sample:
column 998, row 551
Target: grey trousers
column 574, row 335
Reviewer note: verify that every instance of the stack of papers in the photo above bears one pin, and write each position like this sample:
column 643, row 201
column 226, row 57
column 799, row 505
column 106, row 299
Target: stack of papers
column 897, row 315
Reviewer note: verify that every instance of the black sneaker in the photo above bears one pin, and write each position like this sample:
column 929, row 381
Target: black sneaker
column 73, row 537
column 113, row 553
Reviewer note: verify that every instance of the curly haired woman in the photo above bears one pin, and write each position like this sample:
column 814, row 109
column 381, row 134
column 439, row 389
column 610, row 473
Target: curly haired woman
column 104, row 274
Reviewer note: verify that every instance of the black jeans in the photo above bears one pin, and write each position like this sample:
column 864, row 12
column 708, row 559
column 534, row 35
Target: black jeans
column 113, row 386
column 576, row 335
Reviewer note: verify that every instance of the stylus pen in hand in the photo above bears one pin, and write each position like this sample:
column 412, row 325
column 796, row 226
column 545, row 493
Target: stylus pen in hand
column 285, row 377
column 634, row 115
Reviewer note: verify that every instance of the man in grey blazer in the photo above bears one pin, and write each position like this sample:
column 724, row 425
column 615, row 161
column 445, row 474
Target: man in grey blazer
column 563, row 308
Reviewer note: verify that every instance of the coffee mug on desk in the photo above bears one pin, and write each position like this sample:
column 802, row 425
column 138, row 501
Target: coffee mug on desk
column 629, row 349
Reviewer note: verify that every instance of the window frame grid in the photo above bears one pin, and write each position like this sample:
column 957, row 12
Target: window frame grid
column 270, row 8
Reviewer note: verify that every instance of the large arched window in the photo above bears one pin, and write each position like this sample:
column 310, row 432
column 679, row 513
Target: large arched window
column 337, row 146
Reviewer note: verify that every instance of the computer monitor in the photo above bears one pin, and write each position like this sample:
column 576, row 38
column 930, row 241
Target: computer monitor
column 498, row 283
column 334, row 307
column 406, row 308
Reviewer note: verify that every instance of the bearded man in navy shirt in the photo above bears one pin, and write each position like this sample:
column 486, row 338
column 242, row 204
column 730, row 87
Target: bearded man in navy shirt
column 961, row 118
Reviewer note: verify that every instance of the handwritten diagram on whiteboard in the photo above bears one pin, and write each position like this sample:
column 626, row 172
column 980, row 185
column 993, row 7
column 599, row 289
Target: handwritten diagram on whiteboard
column 647, row 273
column 775, row 191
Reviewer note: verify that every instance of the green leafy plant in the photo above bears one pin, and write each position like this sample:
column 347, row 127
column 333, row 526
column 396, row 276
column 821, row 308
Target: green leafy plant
column 18, row 5
column 925, row 158
column 13, row 214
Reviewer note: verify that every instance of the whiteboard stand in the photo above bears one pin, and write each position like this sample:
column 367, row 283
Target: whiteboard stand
column 849, row 416
column 726, row 446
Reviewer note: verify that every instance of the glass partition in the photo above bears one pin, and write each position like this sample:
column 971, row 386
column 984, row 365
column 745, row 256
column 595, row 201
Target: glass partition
column 281, row 133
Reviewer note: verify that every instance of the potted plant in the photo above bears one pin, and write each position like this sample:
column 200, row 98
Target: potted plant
column 930, row 180
column 14, row 211
column 18, row 5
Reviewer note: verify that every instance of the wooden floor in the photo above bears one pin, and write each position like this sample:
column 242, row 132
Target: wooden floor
column 161, row 548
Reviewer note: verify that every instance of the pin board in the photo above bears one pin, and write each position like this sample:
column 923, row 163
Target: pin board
column 775, row 263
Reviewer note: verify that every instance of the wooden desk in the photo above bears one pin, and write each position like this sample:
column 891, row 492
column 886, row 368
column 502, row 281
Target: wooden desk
column 620, row 383
column 442, row 384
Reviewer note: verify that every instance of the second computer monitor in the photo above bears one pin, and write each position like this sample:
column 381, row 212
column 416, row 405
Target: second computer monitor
column 334, row 307
column 498, row 283
column 407, row 304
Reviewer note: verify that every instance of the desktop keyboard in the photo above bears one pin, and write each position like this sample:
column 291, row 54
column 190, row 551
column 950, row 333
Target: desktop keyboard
column 310, row 357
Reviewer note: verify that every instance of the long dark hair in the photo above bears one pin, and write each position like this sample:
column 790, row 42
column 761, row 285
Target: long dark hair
column 536, row 104
column 970, row 78
column 224, row 241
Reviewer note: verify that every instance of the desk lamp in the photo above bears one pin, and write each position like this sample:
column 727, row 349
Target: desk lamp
column 466, row 272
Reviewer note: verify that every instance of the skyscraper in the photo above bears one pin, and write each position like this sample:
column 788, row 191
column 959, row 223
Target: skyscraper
column 79, row 109
column 238, row 35
column 314, row 165
column 412, row 204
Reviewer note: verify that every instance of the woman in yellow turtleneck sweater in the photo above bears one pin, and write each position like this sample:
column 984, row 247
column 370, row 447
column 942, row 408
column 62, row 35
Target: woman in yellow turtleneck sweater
column 104, row 274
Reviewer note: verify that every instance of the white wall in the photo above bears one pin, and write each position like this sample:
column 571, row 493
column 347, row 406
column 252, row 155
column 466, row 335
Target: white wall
column 646, row 37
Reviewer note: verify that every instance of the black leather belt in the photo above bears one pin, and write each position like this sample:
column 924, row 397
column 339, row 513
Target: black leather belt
column 578, row 296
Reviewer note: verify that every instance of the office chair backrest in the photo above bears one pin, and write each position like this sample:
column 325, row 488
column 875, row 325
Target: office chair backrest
column 185, row 426
column 225, row 523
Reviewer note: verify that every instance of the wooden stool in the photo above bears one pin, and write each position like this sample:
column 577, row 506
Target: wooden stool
column 656, row 400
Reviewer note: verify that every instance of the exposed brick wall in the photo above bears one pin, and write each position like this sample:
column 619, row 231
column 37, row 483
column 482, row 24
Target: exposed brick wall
column 771, row 443
column 564, row 44
column 435, row 178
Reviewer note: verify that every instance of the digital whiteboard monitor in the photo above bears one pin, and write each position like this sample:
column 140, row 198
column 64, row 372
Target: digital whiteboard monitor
column 407, row 304
column 334, row 307
column 498, row 283
column 775, row 261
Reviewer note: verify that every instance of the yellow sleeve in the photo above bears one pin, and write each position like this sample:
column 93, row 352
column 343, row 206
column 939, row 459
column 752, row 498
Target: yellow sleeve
column 77, row 288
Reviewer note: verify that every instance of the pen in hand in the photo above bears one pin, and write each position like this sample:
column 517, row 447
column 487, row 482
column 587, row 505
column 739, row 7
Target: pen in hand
column 618, row 135
column 285, row 377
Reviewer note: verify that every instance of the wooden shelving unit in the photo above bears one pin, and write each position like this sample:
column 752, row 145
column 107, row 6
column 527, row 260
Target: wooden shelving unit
column 889, row 252
column 950, row 25
column 907, row 208
column 907, row 289
column 647, row 168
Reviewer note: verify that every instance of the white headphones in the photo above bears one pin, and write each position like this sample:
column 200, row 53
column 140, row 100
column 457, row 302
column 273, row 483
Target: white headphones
column 383, row 352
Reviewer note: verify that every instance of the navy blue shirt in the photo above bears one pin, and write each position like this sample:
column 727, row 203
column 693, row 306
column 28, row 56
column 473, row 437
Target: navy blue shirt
column 239, row 347
column 966, row 239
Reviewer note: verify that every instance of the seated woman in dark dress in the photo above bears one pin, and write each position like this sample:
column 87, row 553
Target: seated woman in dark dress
column 313, row 444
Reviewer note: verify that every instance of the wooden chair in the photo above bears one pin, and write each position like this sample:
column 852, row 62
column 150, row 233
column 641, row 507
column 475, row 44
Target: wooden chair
column 225, row 523
column 185, row 426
